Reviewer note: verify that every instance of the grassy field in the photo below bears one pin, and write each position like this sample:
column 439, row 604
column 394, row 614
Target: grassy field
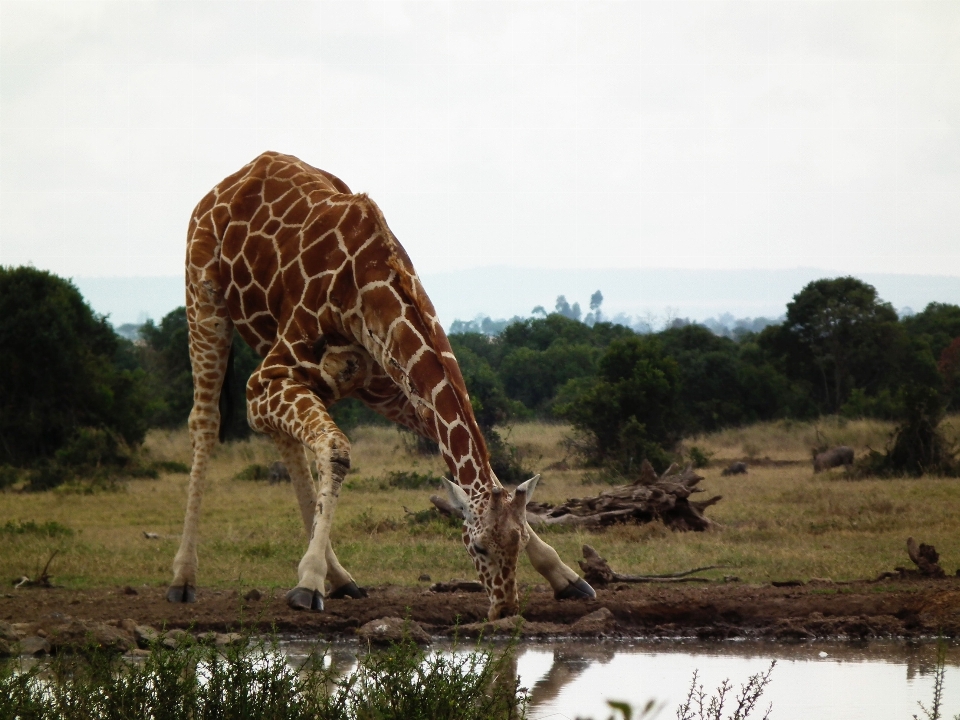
column 779, row 521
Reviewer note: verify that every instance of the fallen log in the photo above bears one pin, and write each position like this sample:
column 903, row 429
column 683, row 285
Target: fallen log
column 45, row 580
column 597, row 572
column 650, row 497
column 457, row 586
column 924, row 556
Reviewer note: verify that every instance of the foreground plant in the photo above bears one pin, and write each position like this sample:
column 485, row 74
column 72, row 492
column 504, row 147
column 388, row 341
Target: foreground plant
column 935, row 712
column 697, row 706
column 254, row 681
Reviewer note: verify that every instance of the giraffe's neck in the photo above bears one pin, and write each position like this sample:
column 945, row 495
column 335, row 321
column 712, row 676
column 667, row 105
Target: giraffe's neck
column 394, row 320
column 446, row 415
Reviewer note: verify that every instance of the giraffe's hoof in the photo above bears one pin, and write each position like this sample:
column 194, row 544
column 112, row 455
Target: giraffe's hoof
column 350, row 590
column 579, row 590
column 182, row 594
column 301, row 598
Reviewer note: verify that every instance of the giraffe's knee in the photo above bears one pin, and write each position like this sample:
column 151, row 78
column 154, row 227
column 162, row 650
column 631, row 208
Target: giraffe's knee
column 339, row 456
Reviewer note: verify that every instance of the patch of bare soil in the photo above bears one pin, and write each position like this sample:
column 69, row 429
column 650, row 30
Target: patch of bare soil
column 909, row 607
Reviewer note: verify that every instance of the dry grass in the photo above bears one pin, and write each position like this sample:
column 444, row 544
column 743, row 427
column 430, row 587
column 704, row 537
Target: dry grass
column 778, row 522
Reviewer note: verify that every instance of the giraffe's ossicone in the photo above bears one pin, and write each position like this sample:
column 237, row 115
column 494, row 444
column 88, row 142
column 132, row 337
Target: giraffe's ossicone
column 313, row 279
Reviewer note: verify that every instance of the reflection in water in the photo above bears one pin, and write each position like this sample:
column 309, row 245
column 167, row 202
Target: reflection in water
column 853, row 681
column 824, row 680
column 568, row 664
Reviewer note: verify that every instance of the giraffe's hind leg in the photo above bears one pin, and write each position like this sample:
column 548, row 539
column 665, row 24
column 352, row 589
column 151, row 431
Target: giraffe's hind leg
column 292, row 452
column 211, row 332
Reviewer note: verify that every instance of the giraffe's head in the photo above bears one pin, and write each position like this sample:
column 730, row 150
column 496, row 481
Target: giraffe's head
column 495, row 530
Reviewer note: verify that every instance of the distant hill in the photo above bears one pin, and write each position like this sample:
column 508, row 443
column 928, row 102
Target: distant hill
column 503, row 292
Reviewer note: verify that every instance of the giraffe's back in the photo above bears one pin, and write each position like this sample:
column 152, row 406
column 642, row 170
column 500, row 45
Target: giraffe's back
column 315, row 281
column 277, row 235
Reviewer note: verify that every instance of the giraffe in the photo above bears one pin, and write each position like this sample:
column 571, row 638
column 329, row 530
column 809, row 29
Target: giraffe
column 312, row 278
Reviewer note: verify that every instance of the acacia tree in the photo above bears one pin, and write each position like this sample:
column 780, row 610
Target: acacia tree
column 840, row 336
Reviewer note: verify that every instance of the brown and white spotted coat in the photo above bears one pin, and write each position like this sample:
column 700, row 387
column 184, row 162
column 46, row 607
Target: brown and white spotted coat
column 314, row 280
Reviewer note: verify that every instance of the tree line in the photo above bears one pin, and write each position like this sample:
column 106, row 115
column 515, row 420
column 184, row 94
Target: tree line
column 75, row 393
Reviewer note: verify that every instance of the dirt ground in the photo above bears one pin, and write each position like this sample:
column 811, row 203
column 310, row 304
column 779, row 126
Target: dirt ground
column 818, row 609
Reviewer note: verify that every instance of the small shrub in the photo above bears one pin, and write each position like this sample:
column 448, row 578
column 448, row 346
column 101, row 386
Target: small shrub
column 95, row 459
column 261, row 550
column 699, row 458
column 146, row 471
column 51, row 528
column 253, row 471
column 253, row 680
column 604, row 476
column 506, row 460
column 698, row 707
column 171, row 466
column 93, row 448
column 918, row 444
column 9, row 476
column 417, row 445
column 412, row 480
column 431, row 522
column 365, row 522
column 47, row 475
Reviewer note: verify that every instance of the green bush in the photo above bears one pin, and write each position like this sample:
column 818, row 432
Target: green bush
column 699, row 458
column 166, row 354
column 64, row 369
column 9, row 475
column 631, row 412
column 412, row 480
column 254, row 471
column 51, row 528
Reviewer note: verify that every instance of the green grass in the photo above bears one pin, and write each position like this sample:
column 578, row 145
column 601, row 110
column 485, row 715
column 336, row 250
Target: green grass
column 777, row 522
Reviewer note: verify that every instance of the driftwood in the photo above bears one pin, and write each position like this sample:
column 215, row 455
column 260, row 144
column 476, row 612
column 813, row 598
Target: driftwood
column 457, row 586
column 665, row 498
column 924, row 556
column 44, row 581
column 598, row 572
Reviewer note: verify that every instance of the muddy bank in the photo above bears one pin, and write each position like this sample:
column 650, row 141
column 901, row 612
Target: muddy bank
column 818, row 609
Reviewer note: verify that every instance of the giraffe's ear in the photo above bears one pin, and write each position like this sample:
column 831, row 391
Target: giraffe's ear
column 523, row 494
column 459, row 499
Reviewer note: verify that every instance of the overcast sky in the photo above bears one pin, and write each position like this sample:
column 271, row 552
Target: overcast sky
column 549, row 134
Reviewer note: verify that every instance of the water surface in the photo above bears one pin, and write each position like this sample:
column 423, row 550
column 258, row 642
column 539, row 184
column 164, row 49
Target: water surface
column 823, row 680
column 872, row 681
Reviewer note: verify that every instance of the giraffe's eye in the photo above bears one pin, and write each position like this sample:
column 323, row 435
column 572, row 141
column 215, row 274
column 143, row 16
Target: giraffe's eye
column 480, row 550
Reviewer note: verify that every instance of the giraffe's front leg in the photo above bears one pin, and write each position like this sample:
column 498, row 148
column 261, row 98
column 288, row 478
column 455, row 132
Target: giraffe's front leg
column 333, row 461
column 565, row 582
column 292, row 452
column 279, row 404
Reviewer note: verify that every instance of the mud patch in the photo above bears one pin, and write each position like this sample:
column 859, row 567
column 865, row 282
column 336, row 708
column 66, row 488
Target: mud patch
column 893, row 608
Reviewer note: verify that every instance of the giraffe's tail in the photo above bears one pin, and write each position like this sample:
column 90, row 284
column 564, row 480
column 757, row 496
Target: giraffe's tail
column 227, row 405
